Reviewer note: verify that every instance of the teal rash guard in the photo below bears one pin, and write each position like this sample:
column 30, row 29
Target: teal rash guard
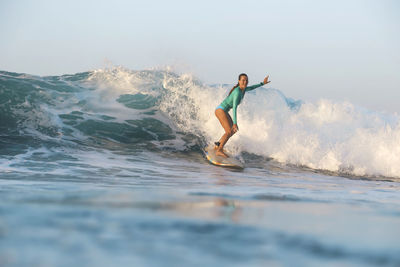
column 233, row 100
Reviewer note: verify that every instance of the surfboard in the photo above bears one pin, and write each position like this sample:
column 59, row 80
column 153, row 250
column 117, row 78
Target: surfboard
column 230, row 162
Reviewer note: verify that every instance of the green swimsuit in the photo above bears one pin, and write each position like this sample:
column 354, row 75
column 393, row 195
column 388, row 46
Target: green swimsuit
column 234, row 99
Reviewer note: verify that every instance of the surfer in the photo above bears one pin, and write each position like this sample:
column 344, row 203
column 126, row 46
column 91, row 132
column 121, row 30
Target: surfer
column 233, row 99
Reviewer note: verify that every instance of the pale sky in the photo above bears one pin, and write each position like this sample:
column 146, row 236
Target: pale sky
column 339, row 50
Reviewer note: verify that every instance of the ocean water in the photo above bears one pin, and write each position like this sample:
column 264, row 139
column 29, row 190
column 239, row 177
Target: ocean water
column 105, row 168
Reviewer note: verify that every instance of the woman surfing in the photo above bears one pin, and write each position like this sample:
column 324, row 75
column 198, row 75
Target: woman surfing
column 232, row 101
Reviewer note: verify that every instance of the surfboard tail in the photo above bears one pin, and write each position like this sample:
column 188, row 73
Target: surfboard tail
column 230, row 162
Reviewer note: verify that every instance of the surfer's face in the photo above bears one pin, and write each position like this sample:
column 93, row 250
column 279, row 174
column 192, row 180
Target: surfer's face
column 243, row 81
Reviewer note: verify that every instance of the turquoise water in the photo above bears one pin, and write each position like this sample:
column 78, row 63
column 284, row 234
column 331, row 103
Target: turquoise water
column 105, row 168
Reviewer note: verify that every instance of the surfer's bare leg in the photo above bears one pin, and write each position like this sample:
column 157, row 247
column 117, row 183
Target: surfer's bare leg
column 226, row 122
column 230, row 125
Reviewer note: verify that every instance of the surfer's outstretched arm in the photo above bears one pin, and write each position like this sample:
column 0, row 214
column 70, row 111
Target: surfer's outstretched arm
column 252, row 87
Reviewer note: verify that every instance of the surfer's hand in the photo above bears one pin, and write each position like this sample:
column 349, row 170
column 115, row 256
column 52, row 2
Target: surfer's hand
column 266, row 80
column 235, row 128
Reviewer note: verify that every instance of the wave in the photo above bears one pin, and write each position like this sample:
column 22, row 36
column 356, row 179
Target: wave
column 119, row 108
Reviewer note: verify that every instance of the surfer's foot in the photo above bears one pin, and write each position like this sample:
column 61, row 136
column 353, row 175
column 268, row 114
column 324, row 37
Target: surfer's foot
column 221, row 153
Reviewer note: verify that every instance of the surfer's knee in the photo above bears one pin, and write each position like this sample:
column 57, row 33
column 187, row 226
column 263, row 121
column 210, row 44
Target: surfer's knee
column 229, row 133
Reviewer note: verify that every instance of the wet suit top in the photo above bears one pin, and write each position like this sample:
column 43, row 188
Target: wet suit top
column 234, row 99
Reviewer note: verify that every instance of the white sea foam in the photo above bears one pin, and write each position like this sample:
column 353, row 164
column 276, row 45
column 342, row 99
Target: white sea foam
column 329, row 135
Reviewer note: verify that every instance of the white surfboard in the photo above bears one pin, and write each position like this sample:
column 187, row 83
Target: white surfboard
column 231, row 161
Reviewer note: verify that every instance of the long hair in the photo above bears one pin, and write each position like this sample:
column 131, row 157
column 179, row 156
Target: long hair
column 240, row 76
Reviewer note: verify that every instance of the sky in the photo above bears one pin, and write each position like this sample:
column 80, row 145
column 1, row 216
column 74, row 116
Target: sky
column 344, row 50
